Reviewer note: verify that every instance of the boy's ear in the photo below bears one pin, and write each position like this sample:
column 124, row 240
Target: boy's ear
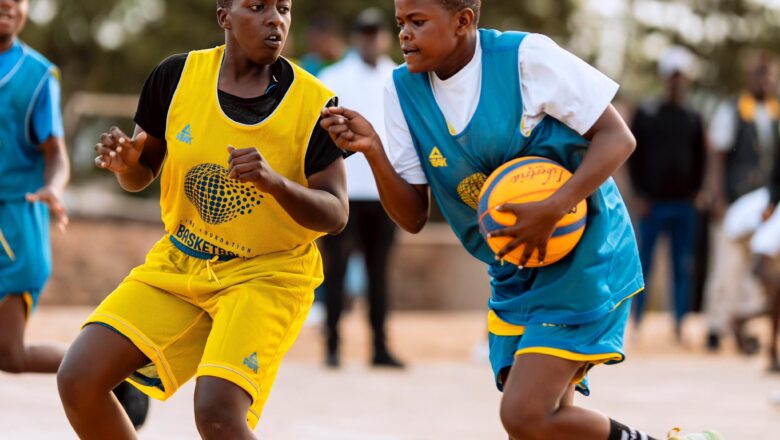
column 223, row 18
column 466, row 19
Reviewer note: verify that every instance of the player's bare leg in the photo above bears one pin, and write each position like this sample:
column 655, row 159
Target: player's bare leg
column 96, row 363
column 220, row 409
column 536, row 403
column 15, row 357
column 774, row 315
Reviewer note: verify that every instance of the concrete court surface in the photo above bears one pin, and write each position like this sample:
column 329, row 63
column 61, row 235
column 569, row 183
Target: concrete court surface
column 447, row 391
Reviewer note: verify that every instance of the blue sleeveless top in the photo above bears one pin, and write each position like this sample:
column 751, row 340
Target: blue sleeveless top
column 604, row 268
column 22, row 164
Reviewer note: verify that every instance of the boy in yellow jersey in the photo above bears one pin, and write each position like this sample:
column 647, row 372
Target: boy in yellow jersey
column 249, row 181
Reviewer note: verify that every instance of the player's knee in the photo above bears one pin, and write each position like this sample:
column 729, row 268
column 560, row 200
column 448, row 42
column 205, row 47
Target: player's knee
column 74, row 385
column 523, row 422
column 12, row 360
column 217, row 420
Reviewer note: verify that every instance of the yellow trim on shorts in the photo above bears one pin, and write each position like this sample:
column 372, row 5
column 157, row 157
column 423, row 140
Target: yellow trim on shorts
column 232, row 375
column 28, row 302
column 26, row 298
column 148, row 348
column 627, row 298
column 499, row 327
column 572, row 356
column 589, row 359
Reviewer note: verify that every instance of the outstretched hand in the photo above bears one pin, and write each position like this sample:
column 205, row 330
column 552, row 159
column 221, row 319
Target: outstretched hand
column 117, row 152
column 534, row 226
column 350, row 130
column 53, row 199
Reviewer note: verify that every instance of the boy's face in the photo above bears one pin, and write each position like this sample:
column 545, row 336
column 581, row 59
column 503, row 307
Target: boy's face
column 13, row 16
column 428, row 33
column 259, row 27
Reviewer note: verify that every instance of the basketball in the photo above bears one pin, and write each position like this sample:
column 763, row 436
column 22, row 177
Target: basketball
column 526, row 180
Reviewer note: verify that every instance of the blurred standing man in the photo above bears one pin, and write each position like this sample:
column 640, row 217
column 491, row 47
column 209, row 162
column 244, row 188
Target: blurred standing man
column 744, row 137
column 359, row 81
column 667, row 171
column 325, row 42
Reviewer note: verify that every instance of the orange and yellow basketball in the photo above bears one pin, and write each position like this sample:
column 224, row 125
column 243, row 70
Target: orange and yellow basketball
column 525, row 180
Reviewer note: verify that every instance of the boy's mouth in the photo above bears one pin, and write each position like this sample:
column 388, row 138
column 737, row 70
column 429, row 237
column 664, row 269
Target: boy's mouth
column 274, row 39
column 409, row 51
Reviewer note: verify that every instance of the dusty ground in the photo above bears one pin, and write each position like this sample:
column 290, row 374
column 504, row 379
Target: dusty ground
column 446, row 393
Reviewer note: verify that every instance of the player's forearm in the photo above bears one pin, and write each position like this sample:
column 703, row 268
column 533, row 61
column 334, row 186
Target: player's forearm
column 313, row 209
column 403, row 202
column 136, row 179
column 56, row 164
column 610, row 147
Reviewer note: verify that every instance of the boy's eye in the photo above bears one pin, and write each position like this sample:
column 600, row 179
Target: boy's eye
column 284, row 9
column 418, row 23
column 257, row 7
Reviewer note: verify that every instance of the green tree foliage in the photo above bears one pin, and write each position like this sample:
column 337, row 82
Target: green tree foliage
column 111, row 45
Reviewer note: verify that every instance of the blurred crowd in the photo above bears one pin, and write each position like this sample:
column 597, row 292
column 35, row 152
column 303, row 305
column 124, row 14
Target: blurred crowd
column 711, row 185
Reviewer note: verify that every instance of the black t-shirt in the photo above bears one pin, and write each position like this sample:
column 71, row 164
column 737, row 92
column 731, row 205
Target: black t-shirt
column 668, row 163
column 158, row 91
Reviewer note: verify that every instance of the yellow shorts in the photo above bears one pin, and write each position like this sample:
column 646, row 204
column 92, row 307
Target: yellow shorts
column 233, row 319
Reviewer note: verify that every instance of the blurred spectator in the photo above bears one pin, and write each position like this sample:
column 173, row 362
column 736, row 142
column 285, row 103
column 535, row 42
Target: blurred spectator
column 744, row 137
column 753, row 219
column 325, row 41
column 359, row 81
column 667, row 172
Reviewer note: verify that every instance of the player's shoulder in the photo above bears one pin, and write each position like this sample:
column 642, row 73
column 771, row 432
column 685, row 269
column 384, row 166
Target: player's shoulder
column 37, row 59
column 35, row 56
column 174, row 61
column 492, row 39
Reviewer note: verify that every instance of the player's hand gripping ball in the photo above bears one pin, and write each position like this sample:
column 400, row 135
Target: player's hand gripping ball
column 527, row 180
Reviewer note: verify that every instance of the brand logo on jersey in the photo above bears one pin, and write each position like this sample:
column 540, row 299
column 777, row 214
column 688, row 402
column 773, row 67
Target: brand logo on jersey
column 437, row 159
column 218, row 198
column 251, row 362
column 185, row 135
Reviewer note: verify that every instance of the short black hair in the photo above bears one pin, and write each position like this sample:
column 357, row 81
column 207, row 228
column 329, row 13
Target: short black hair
column 459, row 5
column 226, row 4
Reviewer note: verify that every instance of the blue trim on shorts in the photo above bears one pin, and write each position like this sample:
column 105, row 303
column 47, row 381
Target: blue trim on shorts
column 136, row 376
column 197, row 254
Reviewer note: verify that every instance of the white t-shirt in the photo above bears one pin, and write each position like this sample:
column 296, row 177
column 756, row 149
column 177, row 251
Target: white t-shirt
column 766, row 240
column 723, row 128
column 553, row 81
column 359, row 87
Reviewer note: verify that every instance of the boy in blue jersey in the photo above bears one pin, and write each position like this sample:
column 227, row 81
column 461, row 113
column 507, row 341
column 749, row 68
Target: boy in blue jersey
column 466, row 102
column 34, row 170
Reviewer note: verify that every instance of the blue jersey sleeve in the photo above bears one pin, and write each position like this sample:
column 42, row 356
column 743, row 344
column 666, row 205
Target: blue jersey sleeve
column 46, row 118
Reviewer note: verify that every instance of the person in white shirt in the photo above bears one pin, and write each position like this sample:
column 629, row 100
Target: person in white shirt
column 358, row 80
column 743, row 135
column 468, row 101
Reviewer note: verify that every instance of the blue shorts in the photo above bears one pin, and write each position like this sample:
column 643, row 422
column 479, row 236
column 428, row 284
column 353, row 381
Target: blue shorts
column 598, row 342
column 25, row 250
